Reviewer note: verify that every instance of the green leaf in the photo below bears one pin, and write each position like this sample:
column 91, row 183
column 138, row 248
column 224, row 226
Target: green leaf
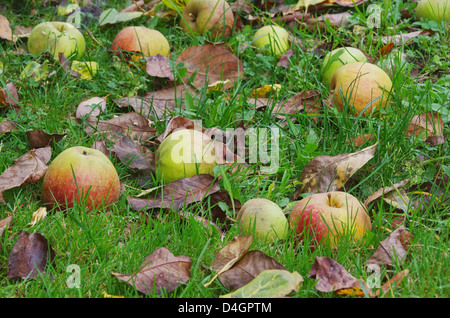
column 112, row 16
column 269, row 284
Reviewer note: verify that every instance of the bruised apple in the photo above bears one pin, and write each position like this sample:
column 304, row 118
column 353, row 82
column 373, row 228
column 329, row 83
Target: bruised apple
column 185, row 153
column 437, row 10
column 83, row 175
column 338, row 57
column 362, row 86
column 327, row 218
column 56, row 37
column 201, row 16
column 264, row 219
column 141, row 40
column 272, row 40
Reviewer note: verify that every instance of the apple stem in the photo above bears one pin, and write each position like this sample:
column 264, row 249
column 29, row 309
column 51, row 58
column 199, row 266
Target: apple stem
column 84, row 153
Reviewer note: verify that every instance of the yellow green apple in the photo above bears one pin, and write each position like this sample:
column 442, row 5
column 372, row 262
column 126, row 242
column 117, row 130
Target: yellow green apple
column 201, row 16
column 271, row 40
column 437, row 10
column 363, row 86
column 328, row 218
column 185, row 153
column 57, row 37
column 83, row 175
column 263, row 218
column 338, row 57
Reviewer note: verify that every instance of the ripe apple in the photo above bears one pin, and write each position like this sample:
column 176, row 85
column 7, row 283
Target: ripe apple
column 365, row 87
column 201, row 16
column 81, row 174
column 272, row 40
column 185, row 153
column 264, row 219
column 326, row 218
column 56, row 37
column 338, row 57
column 437, row 10
column 141, row 40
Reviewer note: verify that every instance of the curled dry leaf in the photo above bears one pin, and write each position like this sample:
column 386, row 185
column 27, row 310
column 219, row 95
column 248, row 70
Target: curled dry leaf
column 380, row 193
column 159, row 66
column 39, row 138
column 7, row 126
column 9, row 95
column 129, row 124
column 178, row 193
column 3, row 225
column 426, row 125
column 29, row 256
column 160, row 270
column 28, row 168
column 270, row 283
column 392, row 249
column 230, row 255
column 330, row 173
column 132, row 153
column 333, row 277
column 211, row 63
column 247, row 268
column 308, row 101
column 91, row 107
column 5, row 29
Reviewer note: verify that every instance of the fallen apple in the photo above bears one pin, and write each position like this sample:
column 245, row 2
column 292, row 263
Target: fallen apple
column 82, row 175
column 328, row 218
column 56, row 37
column 185, row 153
column 264, row 219
column 437, row 10
column 362, row 86
column 201, row 16
column 271, row 40
column 140, row 40
column 338, row 57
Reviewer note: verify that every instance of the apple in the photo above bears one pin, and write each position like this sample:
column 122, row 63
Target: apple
column 272, row 40
column 185, row 153
column 338, row 57
column 80, row 174
column 365, row 87
column 264, row 219
column 326, row 218
column 201, row 16
column 141, row 40
column 437, row 10
column 56, row 37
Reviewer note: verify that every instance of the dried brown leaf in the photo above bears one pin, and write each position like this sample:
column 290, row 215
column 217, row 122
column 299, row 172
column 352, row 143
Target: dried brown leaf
column 91, row 107
column 5, row 29
column 129, row 124
column 29, row 256
column 28, row 168
column 132, row 153
column 160, row 270
column 7, row 126
column 159, row 66
column 384, row 191
column 39, row 138
column 178, row 193
column 333, row 277
column 9, row 95
column 330, row 173
column 211, row 63
column 426, row 125
column 307, row 101
column 247, row 268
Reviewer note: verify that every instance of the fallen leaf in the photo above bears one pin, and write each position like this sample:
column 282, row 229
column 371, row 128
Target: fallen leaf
column 247, row 268
column 391, row 250
column 112, row 16
column 332, row 277
column 91, row 107
column 426, row 125
column 178, row 193
column 85, row 70
column 40, row 139
column 9, row 95
column 211, row 63
column 38, row 215
column 159, row 66
column 230, row 255
column 3, row 225
column 129, row 124
column 133, row 154
column 5, row 29
column 380, row 193
column 270, row 283
column 29, row 256
column 308, row 101
column 330, row 173
column 7, row 126
column 160, row 270
column 28, row 168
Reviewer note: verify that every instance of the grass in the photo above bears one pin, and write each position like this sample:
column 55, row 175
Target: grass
column 118, row 239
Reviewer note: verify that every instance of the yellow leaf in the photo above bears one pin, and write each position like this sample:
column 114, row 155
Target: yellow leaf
column 217, row 85
column 87, row 70
column 176, row 4
column 266, row 90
